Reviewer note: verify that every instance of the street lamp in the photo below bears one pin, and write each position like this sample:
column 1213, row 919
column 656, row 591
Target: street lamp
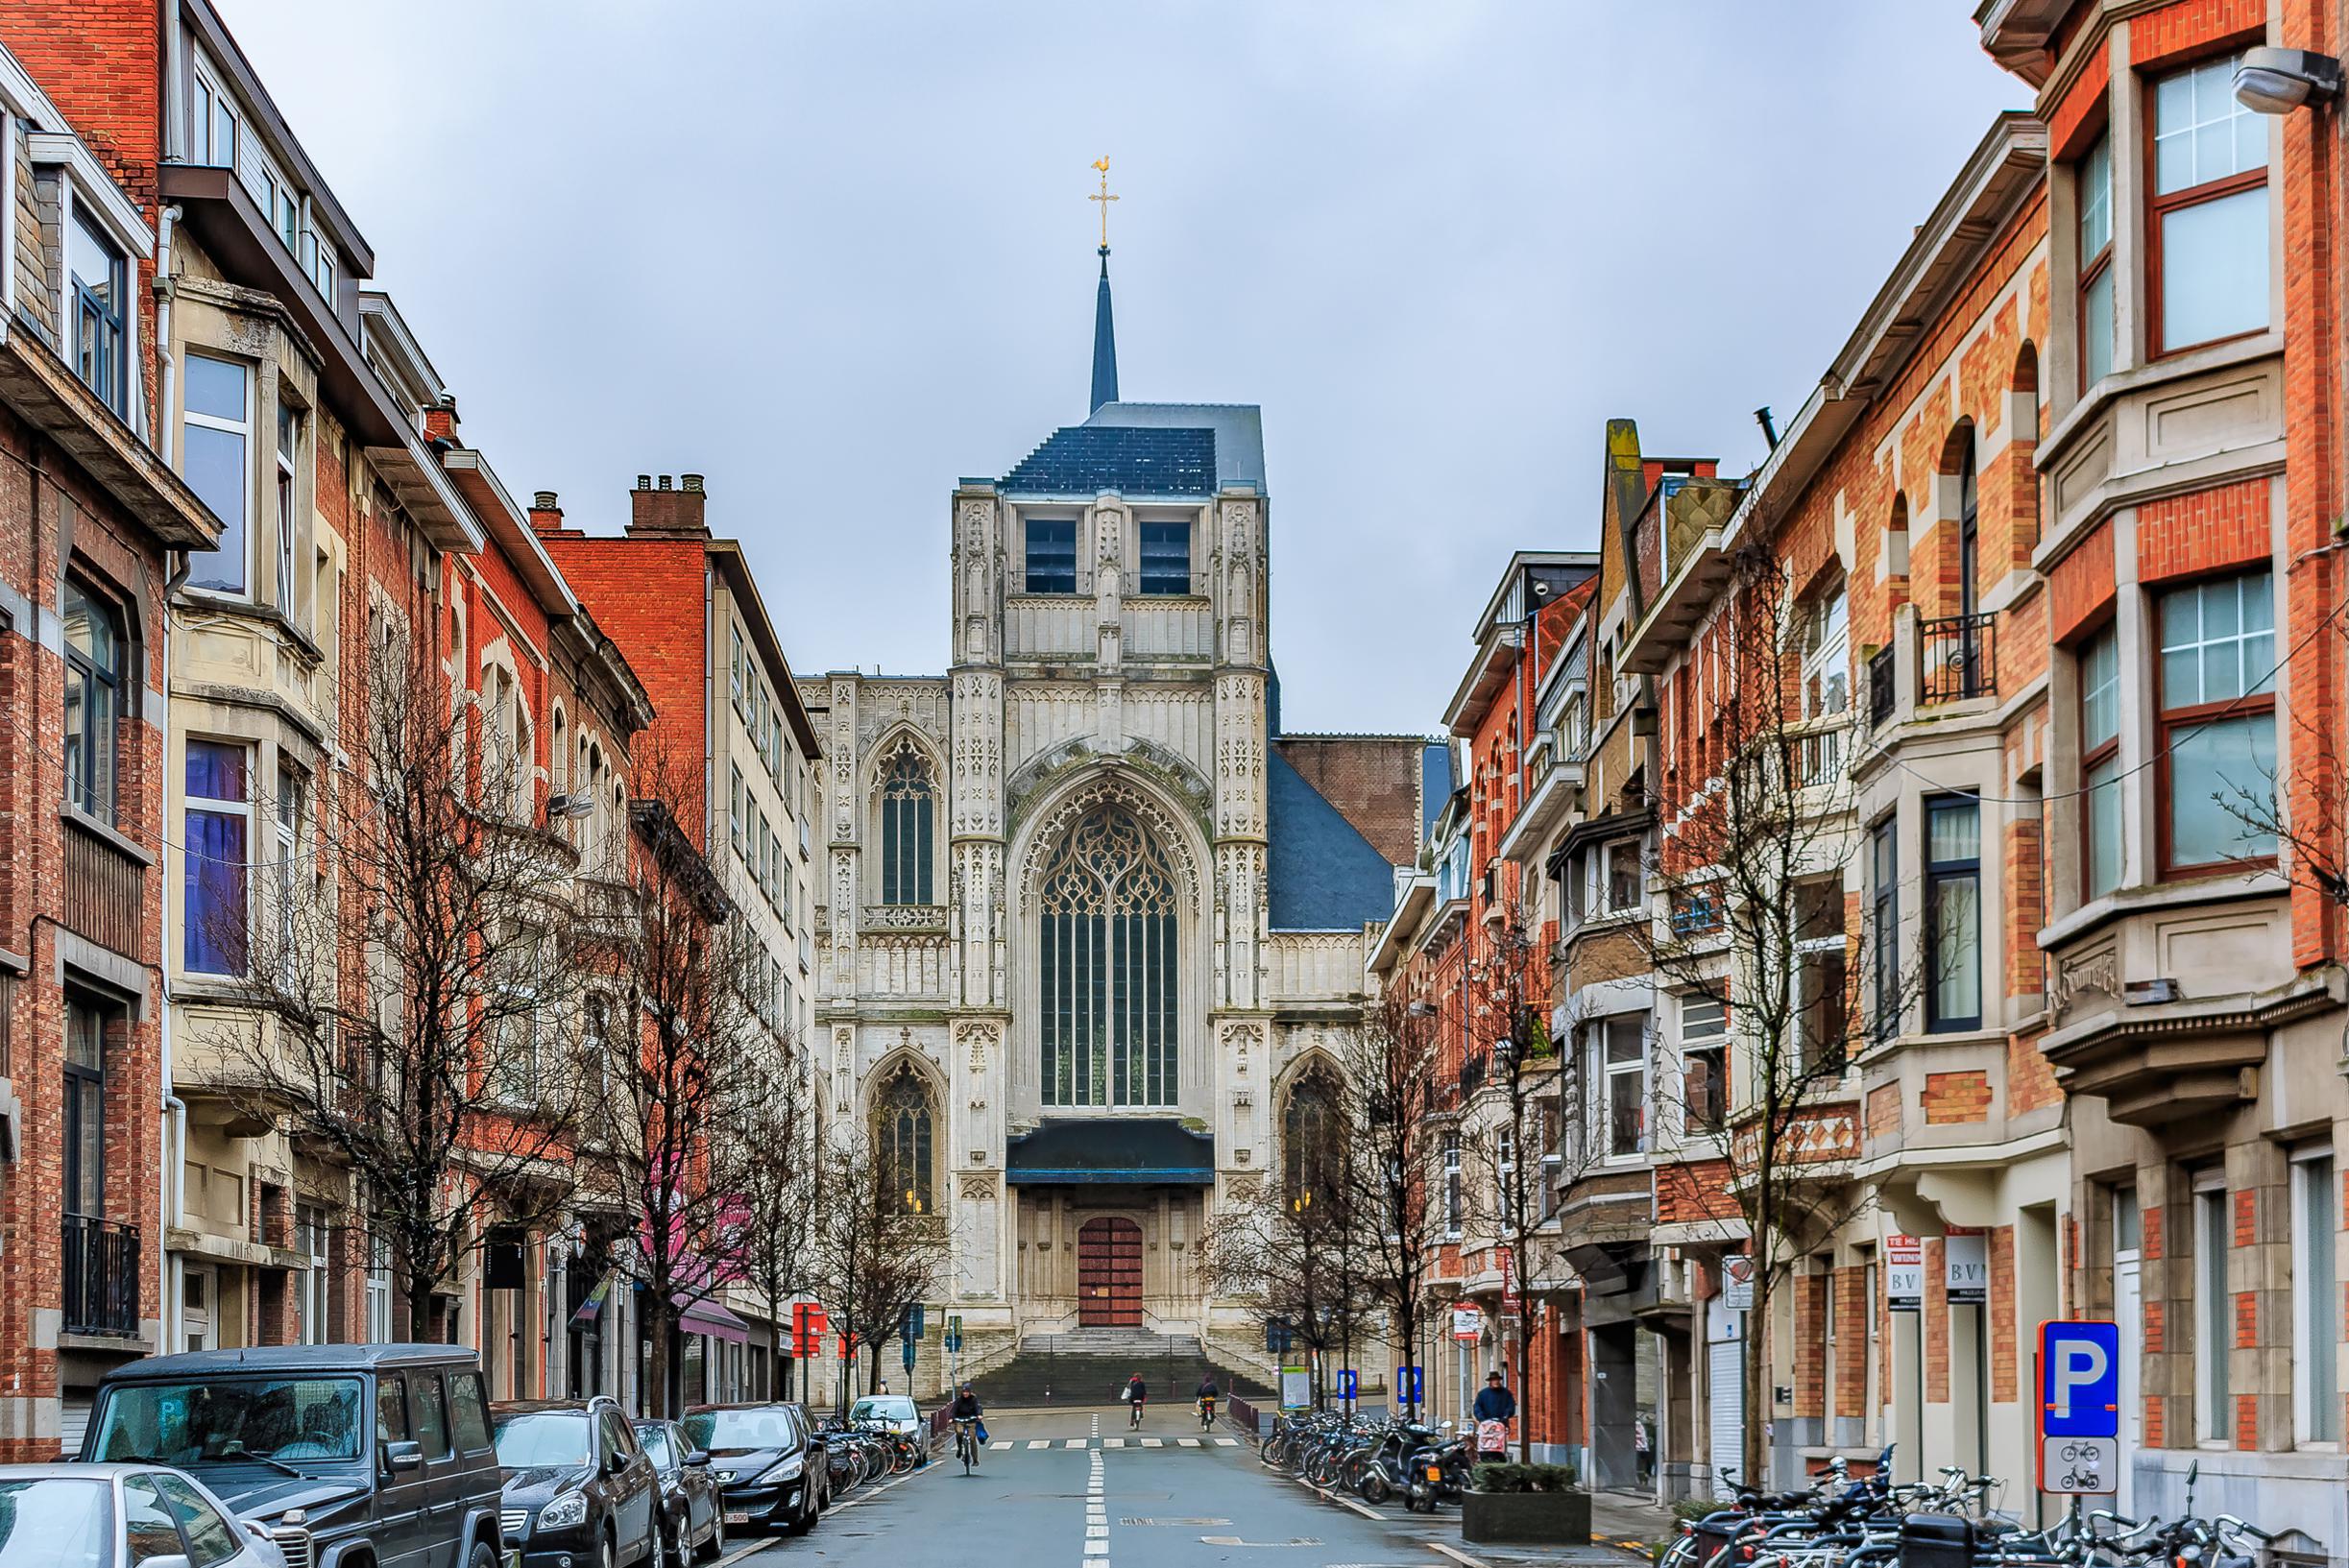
column 2279, row 81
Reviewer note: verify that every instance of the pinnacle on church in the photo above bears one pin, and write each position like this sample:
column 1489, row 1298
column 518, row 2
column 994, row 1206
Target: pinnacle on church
column 1104, row 332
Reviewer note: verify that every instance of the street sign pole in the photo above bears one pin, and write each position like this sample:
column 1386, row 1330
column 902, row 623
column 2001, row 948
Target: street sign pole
column 2079, row 1409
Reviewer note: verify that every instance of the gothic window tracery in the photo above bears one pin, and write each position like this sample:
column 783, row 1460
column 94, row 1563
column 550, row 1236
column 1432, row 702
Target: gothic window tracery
column 902, row 1139
column 1110, row 969
column 908, row 813
column 1311, row 1134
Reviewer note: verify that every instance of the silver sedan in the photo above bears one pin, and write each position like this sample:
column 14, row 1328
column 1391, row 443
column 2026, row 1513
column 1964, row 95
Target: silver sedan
column 120, row 1516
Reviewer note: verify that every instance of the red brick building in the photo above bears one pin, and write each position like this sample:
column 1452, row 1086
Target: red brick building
column 92, row 522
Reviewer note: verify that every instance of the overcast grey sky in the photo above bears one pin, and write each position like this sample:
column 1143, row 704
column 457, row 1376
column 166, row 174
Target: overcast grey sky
column 833, row 255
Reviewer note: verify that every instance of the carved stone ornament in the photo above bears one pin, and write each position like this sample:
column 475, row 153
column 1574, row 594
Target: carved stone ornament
column 978, row 1186
column 2098, row 971
column 1242, row 1155
column 1110, row 789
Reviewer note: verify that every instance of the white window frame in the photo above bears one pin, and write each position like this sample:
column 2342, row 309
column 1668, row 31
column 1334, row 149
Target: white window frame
column 2214, row 1234
column 286, row 443
column 1610, row 1070
column 1713, row 1042
column 1827, row 666
column 286, row 824
column 243, row 430
column 311, row 1308
column 2315, row 1181
column 1454, row 1214
column 378, row 1290
column 210, row 102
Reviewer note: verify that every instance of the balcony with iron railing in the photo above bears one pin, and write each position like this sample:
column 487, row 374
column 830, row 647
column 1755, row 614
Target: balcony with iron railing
column 101, row 1277
column 1956, row 659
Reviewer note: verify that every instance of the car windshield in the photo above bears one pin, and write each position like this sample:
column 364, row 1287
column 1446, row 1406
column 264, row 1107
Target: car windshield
column 768, row 1426
column 655, row 1440
column 231, row 1421
column 541, row 1440
column 56, row 1524
column 884, row 1408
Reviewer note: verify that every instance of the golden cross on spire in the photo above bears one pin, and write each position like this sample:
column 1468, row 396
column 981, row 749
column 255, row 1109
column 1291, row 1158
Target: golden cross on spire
column 1104, row 199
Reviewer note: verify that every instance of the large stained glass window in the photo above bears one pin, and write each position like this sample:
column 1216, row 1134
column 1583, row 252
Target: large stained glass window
column 1109, row 968
column 902, row 1132
column 908, row 803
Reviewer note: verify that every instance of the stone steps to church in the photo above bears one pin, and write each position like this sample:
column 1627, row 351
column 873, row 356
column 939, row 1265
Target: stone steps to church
column 1042, row 1373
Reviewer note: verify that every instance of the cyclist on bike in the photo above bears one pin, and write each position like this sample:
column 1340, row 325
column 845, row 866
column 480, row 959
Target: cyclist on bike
column 1136, row 1392
column 1206, row 1400
column 964, row 1412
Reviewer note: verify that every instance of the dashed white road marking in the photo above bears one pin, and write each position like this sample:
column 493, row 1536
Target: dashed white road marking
column 1113, row 1442
column 1455, row 1554
column 1187, row 1442
column 1153, row 1442
column 1001, row 1444
column 1039, row 1443
column 1076, row 1442
column 1227, row 1442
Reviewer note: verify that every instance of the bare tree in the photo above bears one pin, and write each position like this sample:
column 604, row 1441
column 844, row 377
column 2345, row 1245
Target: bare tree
column 1387, row 1070
column 684, row 1004
column 769, row 1245
column 414, row 987
column 1750, row 918
column 1293, row 1249
column 873, row 1254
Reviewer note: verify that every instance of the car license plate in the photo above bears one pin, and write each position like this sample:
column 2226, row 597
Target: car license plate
column 738, row 1518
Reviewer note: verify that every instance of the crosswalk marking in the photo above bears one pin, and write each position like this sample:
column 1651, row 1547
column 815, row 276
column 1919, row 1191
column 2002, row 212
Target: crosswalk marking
column 1075, row 1442
column 1187, row 1442
column 1227, row 1442
column 1039, row 1443
column 1113, row 1442
column 1153, row 1442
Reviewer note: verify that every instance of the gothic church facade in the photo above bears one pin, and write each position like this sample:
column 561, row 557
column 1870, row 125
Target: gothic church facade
column 1087, row 913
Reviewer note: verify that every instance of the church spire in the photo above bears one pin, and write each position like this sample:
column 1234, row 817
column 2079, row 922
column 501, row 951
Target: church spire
column 1104, row 330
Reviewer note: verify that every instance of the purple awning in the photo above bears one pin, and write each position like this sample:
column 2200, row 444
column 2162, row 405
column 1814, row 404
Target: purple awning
column 710, row 1318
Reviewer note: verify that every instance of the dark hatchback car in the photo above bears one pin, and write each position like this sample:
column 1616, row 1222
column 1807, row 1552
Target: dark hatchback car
column 768, row 1461
column 692, row 1524
column 342, row 1453
column 580, row 1492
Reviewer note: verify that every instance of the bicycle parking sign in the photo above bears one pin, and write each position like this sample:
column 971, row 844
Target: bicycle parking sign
column 2079, row 1407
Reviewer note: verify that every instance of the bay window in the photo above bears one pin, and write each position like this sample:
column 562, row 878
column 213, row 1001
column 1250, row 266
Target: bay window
column 1623, row 1066
column 2101, row 763
column 2092, row 196
column 2207, row 209
column 219, row 839
column 1953, row 912
column 215, row 458
column 289, row 436
column 99, row 288
column 2217, row 740
column 1705, row 1030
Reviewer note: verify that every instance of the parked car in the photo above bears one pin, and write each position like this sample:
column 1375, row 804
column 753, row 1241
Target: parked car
column 341, row 1453
column 97, row 1515
column 768, row 1461
column 691, row 1523
column 579, row 1489
column 893, row 1413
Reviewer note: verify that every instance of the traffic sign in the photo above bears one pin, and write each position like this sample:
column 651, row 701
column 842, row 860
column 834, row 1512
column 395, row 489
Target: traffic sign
column 912, row 1345
column 2079, row 1406
column 912, row 1324
column 1737, row 1283
column 1407, row 1384
column 1346, row 1383
column 953, row 1334
column 1467, row 1322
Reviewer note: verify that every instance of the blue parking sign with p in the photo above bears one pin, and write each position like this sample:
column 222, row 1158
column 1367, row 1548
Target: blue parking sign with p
column 1346, row 1382
column 2079, row 1379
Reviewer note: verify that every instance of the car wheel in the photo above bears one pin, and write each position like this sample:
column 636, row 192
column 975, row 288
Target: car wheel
column 714, row 1544
column 481, row 1557
column 607, row 1554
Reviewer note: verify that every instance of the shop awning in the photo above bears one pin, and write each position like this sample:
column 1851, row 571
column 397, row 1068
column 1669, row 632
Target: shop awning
column 1129, row 1150
column 710, row 1318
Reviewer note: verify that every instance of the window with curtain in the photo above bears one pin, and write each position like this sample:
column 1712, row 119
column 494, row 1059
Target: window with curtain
column 1954, row 911
column 1110, row 967
column 902, row 1140
column 214, row 909
column 93, row 700
column 2092, row 197
column 908, row 812
column 2207, row 210
column 2101, row 763
column 2217, row 734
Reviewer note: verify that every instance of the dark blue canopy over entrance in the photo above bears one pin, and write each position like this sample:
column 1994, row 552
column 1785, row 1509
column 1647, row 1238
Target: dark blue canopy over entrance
column 1154, row 1151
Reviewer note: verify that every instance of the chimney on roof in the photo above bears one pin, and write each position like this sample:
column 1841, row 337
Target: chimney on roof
column 441, row 420
column 665, row 513
column 546, row 518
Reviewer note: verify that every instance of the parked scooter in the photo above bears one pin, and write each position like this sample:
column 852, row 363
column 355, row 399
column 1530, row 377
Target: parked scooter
column 1436, row 1471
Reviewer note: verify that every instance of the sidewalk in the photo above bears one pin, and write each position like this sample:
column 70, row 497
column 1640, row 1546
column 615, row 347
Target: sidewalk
column 1623, row 1528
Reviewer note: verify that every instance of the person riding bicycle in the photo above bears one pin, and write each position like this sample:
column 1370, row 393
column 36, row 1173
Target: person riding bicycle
column 1137, row 1392
column 965, row 1414
column 1206, row 1396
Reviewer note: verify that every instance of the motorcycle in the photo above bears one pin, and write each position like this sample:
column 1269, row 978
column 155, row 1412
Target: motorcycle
column 1436, row 1471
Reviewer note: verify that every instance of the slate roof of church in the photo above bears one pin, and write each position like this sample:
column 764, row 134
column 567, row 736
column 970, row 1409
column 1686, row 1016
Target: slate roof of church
column 1323, row 873
column 1086, row 459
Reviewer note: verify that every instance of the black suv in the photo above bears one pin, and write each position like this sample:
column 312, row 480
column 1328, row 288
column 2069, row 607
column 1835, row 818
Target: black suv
column 342, row 1453
column 767, row 1460
column 579, row 1488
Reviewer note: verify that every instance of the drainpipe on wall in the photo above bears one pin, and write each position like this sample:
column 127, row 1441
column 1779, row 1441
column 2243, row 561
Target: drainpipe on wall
column 175, row 1109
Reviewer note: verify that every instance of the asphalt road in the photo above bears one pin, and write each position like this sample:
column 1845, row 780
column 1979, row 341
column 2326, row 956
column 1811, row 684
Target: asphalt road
column 1052, row 1492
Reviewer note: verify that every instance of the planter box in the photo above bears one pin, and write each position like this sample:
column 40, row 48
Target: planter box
column 1526, row 1518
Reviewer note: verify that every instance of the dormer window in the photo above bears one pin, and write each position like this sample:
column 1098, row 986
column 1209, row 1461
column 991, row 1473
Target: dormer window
column 213, row 126
column 99, row 285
